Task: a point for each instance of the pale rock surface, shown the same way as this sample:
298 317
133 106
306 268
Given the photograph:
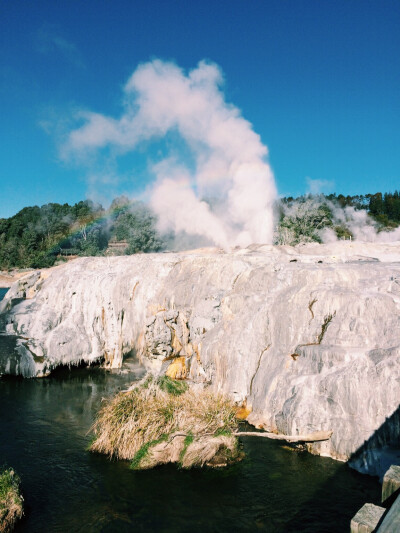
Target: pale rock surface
308 337
367 519
391 482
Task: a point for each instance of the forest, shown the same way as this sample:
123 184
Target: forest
38 237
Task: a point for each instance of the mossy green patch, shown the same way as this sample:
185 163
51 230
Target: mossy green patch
172 386
223 432
143 452
186 443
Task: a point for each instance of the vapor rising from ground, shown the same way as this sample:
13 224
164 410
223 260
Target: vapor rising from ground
318 218
361 225
228 158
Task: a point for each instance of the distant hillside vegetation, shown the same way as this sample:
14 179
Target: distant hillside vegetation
37 237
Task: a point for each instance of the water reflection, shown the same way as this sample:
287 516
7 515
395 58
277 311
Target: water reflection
44 424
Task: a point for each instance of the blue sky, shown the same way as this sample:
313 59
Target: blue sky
318 80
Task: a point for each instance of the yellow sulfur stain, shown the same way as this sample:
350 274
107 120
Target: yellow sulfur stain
243 412
177 369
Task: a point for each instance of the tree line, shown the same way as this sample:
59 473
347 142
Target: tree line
382 207
37 237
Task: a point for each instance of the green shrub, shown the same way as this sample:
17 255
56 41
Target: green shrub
11 501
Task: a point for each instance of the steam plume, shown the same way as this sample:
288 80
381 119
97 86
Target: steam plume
229 157
362 226
317 218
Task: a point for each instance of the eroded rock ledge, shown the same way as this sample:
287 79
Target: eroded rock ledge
305 339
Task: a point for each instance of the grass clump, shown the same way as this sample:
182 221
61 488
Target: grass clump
161 421
172 386
11 501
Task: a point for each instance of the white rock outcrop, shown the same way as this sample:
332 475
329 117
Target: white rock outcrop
305 338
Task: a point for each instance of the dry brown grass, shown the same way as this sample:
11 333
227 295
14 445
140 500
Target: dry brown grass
132 423
11 502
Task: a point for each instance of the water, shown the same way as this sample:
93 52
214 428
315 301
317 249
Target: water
43 435
2 292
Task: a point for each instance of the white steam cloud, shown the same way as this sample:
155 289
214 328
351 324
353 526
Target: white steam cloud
229 157
362 226
311 218
319 186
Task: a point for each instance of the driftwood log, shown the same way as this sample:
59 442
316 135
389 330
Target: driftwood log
317 436
311 437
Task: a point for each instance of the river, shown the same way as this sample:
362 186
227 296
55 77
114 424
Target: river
44 426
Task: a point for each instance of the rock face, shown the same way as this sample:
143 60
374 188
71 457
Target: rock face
306 338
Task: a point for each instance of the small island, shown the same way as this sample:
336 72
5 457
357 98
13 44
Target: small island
163 421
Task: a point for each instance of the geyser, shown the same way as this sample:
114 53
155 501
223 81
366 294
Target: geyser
228 159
